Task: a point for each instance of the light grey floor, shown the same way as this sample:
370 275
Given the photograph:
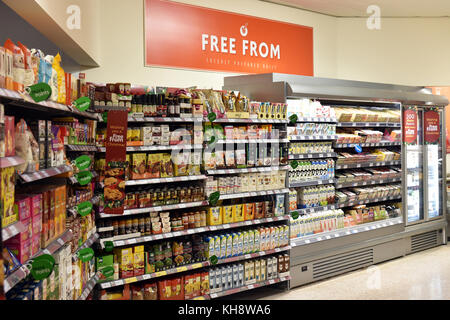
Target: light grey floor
423 275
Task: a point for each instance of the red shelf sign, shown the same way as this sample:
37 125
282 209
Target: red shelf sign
410 126
186 36
431 126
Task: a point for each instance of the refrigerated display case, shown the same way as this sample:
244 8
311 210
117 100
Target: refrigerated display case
425 163
420 224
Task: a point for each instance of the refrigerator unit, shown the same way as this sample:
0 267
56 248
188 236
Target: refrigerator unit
424 160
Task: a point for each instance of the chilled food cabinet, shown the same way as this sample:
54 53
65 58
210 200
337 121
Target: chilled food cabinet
424 163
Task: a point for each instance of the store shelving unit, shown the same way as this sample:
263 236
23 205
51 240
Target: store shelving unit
368 164
312 155
45 173
12 230
322 259
246 170
311 183
253 255
164 180
22 272
89 286
367 183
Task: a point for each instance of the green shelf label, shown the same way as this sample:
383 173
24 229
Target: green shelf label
293 118
295 215
109 246
83 162
213 260
214 198
86 254
84 177
39 92
212 116
84 208
294 164
105 116
42 266
107 272
82 104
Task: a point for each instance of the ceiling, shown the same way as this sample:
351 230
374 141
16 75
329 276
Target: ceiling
358 8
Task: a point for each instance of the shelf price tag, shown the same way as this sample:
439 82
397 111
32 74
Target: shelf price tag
42 266
39 92
84 208
86 254
82 104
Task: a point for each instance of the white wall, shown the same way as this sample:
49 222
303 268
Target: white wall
409 51
122 42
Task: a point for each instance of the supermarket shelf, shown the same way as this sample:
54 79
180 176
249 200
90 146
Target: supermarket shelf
45 173
89 286
87 244
23 100
316 119
250 287
6 162
252 194
345 231
157 209
311 183
252 141
373 144
107 108
314 209
121 243
355 203
164 119
315 137
73 180
87 148
253 255
368 164
121 282
12 230
163 180
23 271
367 183
312 155
229 120
369 124
158 148
245 170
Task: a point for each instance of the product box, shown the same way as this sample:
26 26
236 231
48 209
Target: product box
20 248
22 207
10 146
126 262
238 212
139 260
2 67
9 70
7 195
227 213
103 262
249 211
214 217
35 244
263 273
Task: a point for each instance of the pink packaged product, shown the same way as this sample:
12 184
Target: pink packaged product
35 205
21 249
36 222
28 232
35 244
22 205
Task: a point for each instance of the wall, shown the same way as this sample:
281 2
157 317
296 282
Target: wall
409 51
122 42
89 33
29 36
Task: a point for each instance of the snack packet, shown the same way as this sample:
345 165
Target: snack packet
29 72
18 67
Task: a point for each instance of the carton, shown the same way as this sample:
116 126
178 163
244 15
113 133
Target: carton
229 250
251 241
217 246
263 274
20 248
22 207
212 280
139 260
228 214
214 216
256 244
238 213
249 211
103 262
9 69
2 67
235 276
10 146
7 188
223 247
257 271
245 248
240 243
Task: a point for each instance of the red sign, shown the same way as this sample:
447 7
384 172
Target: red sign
431 126
185 36
410 126
116 152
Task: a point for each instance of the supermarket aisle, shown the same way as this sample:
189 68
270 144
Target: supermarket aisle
424 275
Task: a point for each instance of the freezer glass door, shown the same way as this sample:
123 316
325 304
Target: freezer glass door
433 158
413 143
